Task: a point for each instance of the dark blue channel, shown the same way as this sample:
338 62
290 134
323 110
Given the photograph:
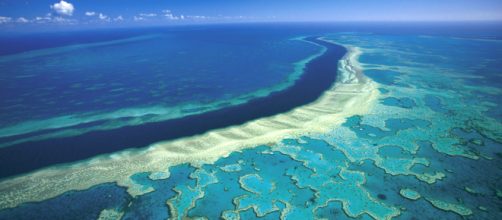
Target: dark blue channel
319 76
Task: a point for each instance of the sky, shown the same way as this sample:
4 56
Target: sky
29 14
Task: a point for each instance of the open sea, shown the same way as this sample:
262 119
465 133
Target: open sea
253 121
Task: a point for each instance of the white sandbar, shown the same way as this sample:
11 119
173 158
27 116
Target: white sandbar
352 94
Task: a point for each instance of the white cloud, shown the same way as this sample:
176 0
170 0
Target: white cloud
63 8
50 19
119 18
148 15
103 17
5 19
169 15
197 17
22 20
44 19
144 16
61 20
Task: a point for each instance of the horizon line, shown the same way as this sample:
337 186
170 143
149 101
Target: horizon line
48 28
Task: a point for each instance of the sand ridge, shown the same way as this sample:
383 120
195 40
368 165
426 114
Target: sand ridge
352 94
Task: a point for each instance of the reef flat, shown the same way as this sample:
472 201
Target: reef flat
346 97
320 73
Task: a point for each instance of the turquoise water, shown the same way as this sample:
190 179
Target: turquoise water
430 148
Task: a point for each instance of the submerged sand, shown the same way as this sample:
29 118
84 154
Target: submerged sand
352 94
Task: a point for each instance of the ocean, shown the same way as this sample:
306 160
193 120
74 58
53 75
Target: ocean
255 121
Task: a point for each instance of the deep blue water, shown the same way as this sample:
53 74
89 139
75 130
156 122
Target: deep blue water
319 75
161 70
